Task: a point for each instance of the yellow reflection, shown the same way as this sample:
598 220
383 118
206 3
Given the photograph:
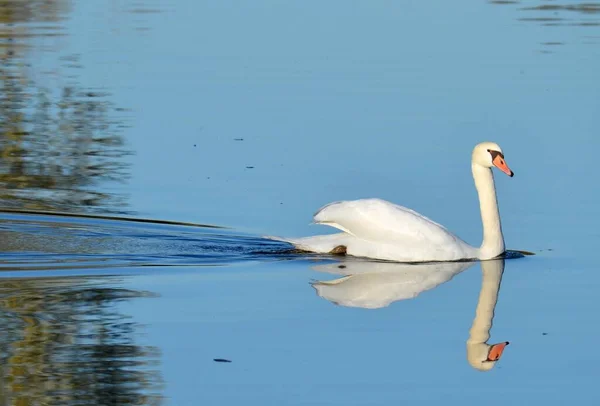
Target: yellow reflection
58 144
65 342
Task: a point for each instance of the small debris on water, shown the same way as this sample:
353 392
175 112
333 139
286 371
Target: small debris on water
544 334
249 167
221 360
238 139
194 145
342 266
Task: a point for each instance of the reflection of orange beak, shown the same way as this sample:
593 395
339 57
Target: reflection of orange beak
499 163
496 351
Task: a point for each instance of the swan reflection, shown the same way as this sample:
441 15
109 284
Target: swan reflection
373 285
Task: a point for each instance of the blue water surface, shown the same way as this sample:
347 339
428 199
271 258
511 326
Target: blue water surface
234 120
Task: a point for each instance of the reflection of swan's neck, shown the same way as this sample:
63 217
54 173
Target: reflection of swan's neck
480 331
477 347
493 241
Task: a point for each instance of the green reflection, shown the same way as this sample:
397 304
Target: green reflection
65 342
58 145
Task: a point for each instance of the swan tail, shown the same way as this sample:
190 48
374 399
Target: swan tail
322 244
298 243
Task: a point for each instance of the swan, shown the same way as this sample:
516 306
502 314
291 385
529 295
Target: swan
374 285
375 228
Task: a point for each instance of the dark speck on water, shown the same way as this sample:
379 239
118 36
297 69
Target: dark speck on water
221 360
249 167
238 139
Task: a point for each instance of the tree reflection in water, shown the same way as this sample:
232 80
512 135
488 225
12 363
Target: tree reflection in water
58 144
65 342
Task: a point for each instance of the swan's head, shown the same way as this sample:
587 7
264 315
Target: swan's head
488 154
483 356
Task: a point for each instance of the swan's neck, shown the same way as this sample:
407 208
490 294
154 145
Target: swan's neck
493 241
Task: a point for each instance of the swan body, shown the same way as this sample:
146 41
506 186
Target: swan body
375 228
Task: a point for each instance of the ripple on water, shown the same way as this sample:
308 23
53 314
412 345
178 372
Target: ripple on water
40 242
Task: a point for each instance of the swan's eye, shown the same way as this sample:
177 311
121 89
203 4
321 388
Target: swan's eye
494 154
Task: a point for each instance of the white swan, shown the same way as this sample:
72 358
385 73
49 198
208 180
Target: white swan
373 285
375 228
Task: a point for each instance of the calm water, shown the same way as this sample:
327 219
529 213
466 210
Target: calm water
229 121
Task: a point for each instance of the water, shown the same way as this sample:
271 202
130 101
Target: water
231 121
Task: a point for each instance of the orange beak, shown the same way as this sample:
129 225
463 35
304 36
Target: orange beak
499 163
496 351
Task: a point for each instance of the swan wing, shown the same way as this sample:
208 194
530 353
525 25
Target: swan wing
379 220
